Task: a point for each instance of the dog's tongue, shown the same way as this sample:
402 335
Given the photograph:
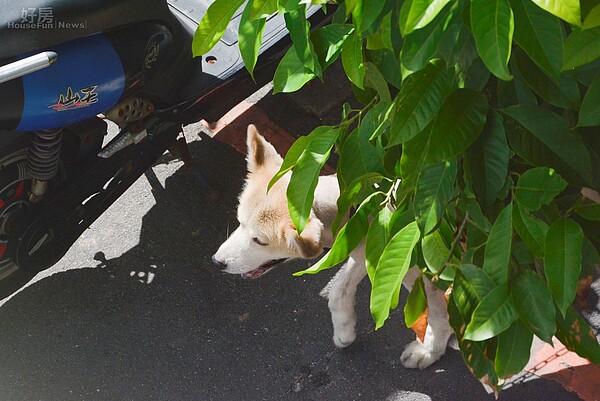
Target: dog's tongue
262 269
256 273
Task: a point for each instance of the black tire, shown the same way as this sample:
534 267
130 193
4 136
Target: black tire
13 178
14 192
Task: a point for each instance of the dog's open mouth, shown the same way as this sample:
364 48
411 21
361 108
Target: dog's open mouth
262 269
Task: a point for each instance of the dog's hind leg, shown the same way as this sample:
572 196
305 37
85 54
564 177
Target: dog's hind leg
422 354
342 292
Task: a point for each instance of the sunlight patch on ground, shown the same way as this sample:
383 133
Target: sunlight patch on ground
402 395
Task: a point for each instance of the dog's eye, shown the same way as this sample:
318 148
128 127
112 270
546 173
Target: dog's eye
259 242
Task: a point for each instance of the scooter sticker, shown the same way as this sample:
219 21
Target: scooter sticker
87 79
75 100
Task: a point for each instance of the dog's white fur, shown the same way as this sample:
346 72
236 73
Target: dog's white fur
264 219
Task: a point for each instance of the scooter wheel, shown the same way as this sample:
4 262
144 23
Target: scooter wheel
15 184
14 189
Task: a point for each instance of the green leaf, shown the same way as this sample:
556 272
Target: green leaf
435 188
250 38
514 347
374 79
392 266
353 61
586 73
476 239
416 303
551 143
589 211
494 314
382 121
581 47
498 247
291 74
590 258
377 238
562 261
476 216
522 91
533 302
488 161
589 115
381 39
567 10
296 150
477 76
413 160
492 23
421 45
366 15
348 196
283 6
262 9
416 14
419 100
328 42
396 36
348 238
592 20
299 28
531 229
387 63
350 6
471 285
400 219
540 35
575 334
358 156
457 45
538 186
562 93
301 189
213 25
436 249
521 255
457 125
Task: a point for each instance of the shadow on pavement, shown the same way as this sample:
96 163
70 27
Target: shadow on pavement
160 323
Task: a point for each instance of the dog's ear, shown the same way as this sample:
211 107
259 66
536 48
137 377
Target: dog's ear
308 244
260 152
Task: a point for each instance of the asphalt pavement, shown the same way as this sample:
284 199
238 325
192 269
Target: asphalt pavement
136 311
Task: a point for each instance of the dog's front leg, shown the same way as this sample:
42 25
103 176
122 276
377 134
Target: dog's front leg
342 294
422 354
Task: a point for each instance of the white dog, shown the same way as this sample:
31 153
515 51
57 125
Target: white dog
267 236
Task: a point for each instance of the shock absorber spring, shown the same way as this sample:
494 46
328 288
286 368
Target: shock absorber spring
44 154
43 159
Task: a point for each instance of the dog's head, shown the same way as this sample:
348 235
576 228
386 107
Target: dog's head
266 234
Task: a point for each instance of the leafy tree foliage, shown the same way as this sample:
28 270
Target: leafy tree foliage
481 126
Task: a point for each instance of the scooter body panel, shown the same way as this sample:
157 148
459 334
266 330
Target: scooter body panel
91 75
87 79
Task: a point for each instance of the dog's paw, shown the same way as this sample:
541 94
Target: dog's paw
416 355
344 337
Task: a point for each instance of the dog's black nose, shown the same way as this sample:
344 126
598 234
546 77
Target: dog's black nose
218 263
